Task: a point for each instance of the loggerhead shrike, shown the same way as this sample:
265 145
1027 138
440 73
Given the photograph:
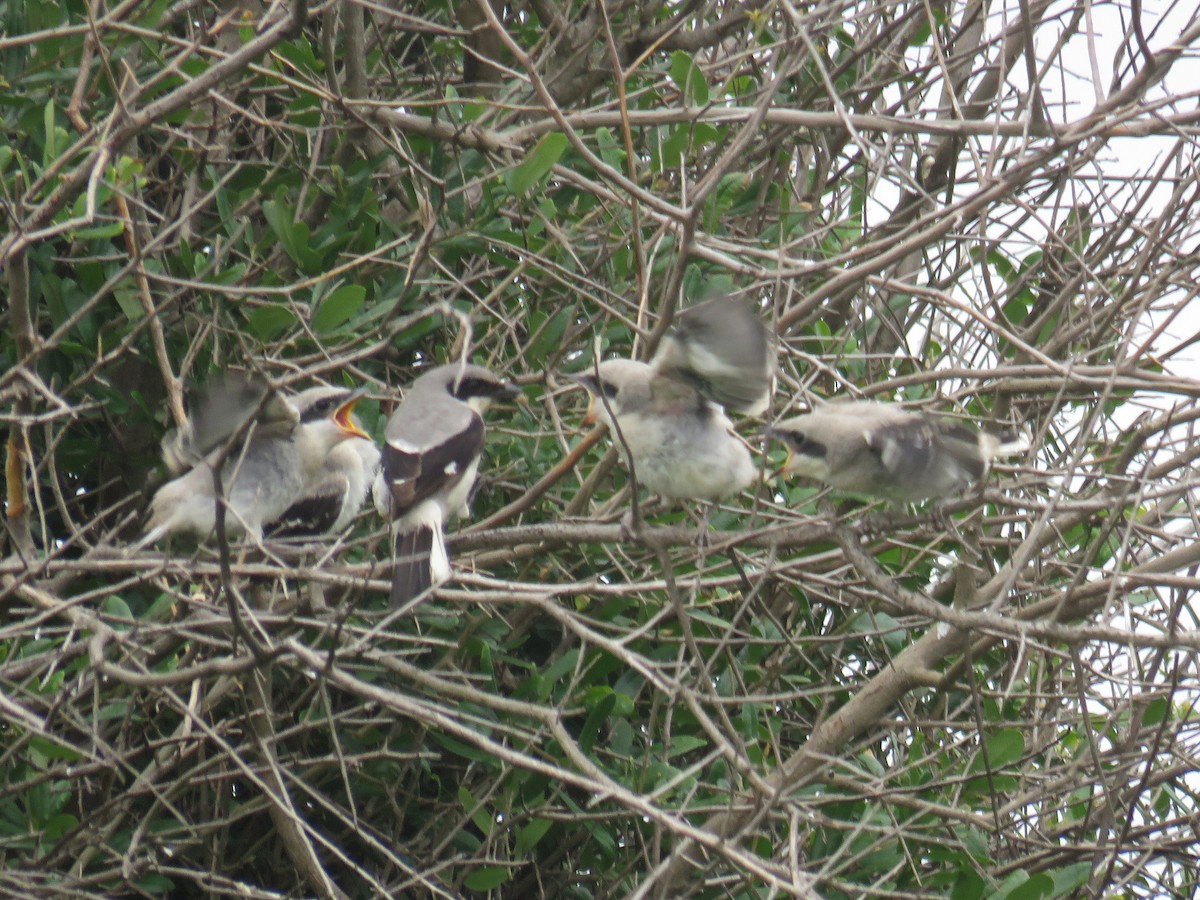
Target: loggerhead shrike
432 447
682 445
264 474
887 451
331 499
666 417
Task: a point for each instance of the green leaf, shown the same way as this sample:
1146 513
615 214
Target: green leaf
561 666
337 309
974 841
620 740
118 709
591 727
719 623
882 625
54 750
1004 747
549 339
685 743
1033 887
1069 879
486 878
1156 711
981 785
127 170
537 164
267 322
672 149
294 236
609 149
51 134
280 220
689 79
528 837
478 812
462 748
129 299
105 232
117 607
154 883
968 886
56 826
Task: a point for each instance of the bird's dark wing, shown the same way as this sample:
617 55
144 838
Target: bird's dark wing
315 512
961 443
414 474
723 350
920 447
905 447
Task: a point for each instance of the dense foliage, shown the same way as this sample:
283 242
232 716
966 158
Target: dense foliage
983 208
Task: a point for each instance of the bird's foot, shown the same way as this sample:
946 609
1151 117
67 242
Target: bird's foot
704 520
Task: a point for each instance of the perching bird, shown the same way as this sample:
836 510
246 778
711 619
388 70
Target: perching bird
263 475
668 414
682 445
887 451
432 447
331 499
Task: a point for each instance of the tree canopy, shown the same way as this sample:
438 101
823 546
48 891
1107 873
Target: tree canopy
989 210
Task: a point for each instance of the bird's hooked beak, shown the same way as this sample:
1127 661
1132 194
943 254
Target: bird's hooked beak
589 418
513 393
343 416
782 436
587 381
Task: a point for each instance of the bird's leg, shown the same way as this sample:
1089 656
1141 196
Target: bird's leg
708 510
634 519
867 525
940 517
631 525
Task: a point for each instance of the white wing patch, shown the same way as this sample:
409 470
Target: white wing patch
451 469
403 446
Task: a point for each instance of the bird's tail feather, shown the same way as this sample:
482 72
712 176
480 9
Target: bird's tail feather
411 576
421 557
154 533
1012 443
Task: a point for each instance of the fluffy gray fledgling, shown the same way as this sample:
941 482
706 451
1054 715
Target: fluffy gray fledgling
887 451
263 476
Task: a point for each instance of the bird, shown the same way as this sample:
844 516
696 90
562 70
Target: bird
432 447
331 499
886 451
263 474
667 417
682 446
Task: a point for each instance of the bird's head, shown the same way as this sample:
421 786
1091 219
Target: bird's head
805 455
329 412
614 387
476 386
